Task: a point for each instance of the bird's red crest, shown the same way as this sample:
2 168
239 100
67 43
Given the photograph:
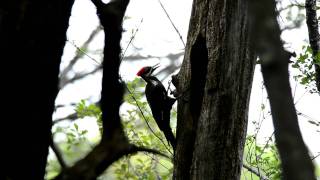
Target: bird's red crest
141 71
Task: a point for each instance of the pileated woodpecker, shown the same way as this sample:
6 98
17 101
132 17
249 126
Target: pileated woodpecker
159 102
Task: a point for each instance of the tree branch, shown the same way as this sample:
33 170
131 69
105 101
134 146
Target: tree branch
256 172
74 60
78 76
71 117
56 150
101 157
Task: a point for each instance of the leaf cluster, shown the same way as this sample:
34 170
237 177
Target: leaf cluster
264 158
304 63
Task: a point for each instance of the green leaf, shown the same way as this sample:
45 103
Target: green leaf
295 65
309 50
76 126
84 132
302 58
304 80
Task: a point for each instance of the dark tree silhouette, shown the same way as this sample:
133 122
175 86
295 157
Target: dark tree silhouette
32 38
295 161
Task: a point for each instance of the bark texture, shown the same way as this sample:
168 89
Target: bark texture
32 38
214 85
295 161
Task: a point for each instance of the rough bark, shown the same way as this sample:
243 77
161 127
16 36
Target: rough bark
314 36
295 161
32 38
214 85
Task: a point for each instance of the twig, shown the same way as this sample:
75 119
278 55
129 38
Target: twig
267 143
79 55
254 171
78 76
82 51
316 156
72 116
148 154
60 159
131 39
136 101
175 28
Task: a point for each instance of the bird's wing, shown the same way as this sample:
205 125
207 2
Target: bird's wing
156 96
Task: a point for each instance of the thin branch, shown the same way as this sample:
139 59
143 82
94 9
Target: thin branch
256 172
148 150
63 105
83 52
71 117
175 28
299 5
78 77
310 119
75 59
148 154
316 156
145 119
79 55
139 57
131 39
58 154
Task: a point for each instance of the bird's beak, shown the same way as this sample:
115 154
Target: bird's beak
155 67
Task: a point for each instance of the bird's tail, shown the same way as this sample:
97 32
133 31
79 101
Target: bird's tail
170 137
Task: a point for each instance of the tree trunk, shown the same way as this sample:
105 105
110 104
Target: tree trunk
295 161
214 84
32 38
314 36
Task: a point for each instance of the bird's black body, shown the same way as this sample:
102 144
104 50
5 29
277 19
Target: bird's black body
160 104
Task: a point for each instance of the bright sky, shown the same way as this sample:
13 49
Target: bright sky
157 37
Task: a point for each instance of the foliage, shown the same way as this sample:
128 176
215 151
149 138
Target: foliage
137 121
304 63
90 110
53 168
134 113
264 158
